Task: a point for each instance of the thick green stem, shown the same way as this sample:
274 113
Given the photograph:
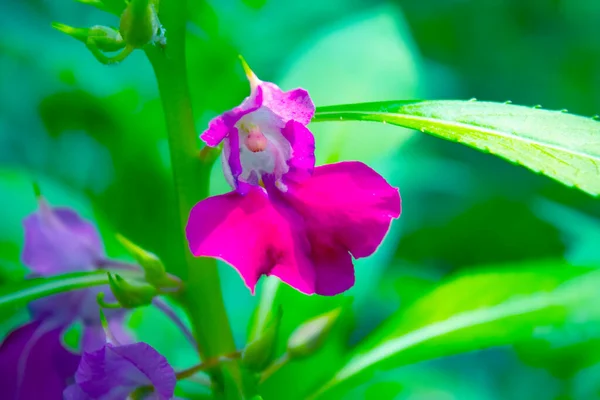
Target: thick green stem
202 297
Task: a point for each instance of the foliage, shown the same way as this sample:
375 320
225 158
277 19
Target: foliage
478 290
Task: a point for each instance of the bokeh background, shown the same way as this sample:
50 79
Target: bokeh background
93 137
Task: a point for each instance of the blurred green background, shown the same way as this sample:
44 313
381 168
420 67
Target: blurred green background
94 138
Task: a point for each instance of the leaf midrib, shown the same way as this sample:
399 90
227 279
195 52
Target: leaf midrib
458 125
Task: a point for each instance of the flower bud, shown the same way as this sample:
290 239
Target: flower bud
258 354
131 295
140 25
311 335
103 37
155 272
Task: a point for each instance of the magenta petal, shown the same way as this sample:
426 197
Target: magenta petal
293 105
219 127
232 164
347 204
250 234
216 132
57 240
115 371
335 271
302 141
34 364
233 156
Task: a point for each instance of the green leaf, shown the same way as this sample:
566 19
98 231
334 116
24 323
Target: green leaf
562 146
475 311
18 294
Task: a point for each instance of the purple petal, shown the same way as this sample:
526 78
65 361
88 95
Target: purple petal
302 162
60 309
65 308
233 156
232 164
253 236
57 241
293 105
116 371
34 364
74 392
220 126
94 336
93 333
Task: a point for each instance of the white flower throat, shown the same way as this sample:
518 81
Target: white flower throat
263 148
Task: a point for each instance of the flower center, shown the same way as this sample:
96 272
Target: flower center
255 141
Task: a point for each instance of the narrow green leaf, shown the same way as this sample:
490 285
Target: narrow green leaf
18 294
473 312
562 146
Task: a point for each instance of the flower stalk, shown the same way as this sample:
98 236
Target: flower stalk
202 296
169 313
208 365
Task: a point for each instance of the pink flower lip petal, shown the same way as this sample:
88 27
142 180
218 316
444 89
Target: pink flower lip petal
305 236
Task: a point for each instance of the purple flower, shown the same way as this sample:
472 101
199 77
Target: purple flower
266 134
57 241
113 372
305 225
35 365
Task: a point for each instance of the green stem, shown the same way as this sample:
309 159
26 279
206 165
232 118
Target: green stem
139 6
276 366
202 296
208 364
104 59
19 294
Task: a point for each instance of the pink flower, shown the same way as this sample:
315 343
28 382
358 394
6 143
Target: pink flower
304 224
266 134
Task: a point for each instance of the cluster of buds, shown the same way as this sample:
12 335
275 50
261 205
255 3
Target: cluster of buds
139 26
306 339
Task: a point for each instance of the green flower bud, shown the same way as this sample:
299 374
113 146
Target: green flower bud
259 353
131 295
155 272
311 335
140 25
102 37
